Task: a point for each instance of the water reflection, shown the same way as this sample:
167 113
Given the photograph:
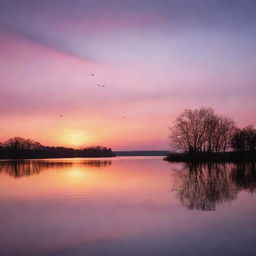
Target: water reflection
244 176
21 168
204 186
125 209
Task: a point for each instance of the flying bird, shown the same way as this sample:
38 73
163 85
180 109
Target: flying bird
61 115
103 85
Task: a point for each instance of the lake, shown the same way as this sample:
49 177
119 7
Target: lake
126 206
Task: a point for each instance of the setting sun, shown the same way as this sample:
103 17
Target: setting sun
75 138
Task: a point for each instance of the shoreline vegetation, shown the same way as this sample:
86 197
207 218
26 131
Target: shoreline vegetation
220 157
201 135
20 148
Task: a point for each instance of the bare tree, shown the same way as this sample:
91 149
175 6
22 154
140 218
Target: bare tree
18 143
201 130
250 137
224 132
244 139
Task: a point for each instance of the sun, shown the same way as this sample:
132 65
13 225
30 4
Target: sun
75 138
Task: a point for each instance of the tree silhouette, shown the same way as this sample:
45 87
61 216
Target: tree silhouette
18 147
201 130
244 139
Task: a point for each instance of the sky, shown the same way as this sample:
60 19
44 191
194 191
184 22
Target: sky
154 58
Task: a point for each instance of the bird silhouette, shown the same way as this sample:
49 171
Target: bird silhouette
61 115
101 85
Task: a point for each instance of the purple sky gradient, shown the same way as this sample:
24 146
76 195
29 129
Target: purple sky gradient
155 58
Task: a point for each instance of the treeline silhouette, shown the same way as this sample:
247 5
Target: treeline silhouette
20 148
203 186
22 168
201 134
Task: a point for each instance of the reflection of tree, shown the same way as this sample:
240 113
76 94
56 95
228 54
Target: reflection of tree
23 168
203 186
244 176
19 169
97 163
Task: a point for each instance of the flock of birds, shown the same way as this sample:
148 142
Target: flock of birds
99 85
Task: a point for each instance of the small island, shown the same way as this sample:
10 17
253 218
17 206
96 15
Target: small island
20 148
201 135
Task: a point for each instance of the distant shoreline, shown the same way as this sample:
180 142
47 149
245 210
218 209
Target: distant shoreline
20 148
50 157
233 156
58 152
142 153
78 154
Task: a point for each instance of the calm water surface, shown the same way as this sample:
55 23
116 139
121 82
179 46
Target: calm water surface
126 206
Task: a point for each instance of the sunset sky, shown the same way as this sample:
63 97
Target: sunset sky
155 58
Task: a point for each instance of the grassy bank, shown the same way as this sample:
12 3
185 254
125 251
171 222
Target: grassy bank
233 156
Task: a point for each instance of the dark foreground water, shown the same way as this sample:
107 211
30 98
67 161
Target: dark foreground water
126 206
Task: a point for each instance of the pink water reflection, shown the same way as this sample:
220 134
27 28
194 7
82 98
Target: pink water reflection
126 206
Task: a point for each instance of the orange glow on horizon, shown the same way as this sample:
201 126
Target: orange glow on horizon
75 138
